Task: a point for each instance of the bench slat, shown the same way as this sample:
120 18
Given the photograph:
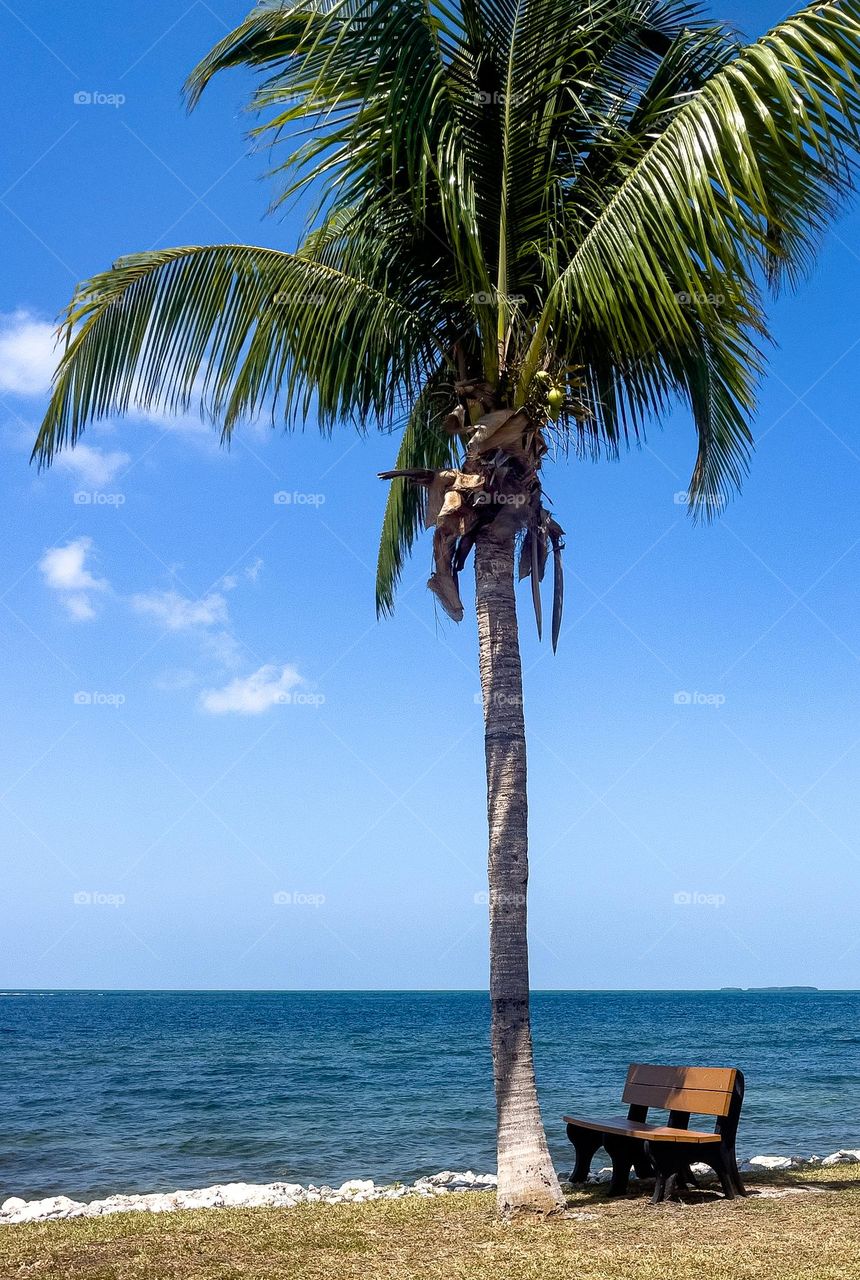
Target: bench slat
699 1101
703 1090
721 1079
634 1129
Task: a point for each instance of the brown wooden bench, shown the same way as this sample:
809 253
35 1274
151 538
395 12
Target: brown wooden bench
665 1151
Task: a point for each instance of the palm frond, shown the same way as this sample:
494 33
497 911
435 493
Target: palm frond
237 329
739 183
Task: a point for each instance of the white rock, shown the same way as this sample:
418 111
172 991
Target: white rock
842 1157
201 1198
769 1162
53 1207
700 1170
289 1189
12 1205
356 1186
245 1195
156 1203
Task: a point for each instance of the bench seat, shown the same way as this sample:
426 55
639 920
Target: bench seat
639 1129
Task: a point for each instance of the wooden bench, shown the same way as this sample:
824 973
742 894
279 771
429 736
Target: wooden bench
665 1151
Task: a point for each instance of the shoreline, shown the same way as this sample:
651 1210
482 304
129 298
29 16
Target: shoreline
288 1195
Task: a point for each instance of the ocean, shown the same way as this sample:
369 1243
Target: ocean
112 1091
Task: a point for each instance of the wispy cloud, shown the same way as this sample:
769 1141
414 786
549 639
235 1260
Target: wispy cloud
64 570
252 695
206 619
27 354
176 612
92 465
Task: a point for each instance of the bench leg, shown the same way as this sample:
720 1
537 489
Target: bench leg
720 1161
734 1172
670 1161
665 1188
585 1144
622 1152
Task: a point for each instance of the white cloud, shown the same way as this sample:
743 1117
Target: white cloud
254 694
224 648
27 354
252 571
64 570
91 464
176 612
80 607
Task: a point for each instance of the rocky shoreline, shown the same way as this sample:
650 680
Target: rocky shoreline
286 1195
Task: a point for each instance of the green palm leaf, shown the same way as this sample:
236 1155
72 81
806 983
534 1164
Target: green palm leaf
503 186
239 329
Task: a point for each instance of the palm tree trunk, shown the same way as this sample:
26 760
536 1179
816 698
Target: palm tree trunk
527 1179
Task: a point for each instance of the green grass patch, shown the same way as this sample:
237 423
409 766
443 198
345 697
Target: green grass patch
813 1235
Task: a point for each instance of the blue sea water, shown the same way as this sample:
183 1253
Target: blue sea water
147 1091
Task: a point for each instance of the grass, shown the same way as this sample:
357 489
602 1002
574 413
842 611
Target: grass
815 1236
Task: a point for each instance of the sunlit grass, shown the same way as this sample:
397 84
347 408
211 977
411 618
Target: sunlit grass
814 1235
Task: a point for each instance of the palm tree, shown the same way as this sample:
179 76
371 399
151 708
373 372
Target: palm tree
535 226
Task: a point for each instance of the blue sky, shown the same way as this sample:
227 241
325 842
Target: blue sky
218 770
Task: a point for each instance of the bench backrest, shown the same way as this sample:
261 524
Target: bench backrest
706 1091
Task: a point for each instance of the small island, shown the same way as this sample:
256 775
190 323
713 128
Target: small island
748 990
